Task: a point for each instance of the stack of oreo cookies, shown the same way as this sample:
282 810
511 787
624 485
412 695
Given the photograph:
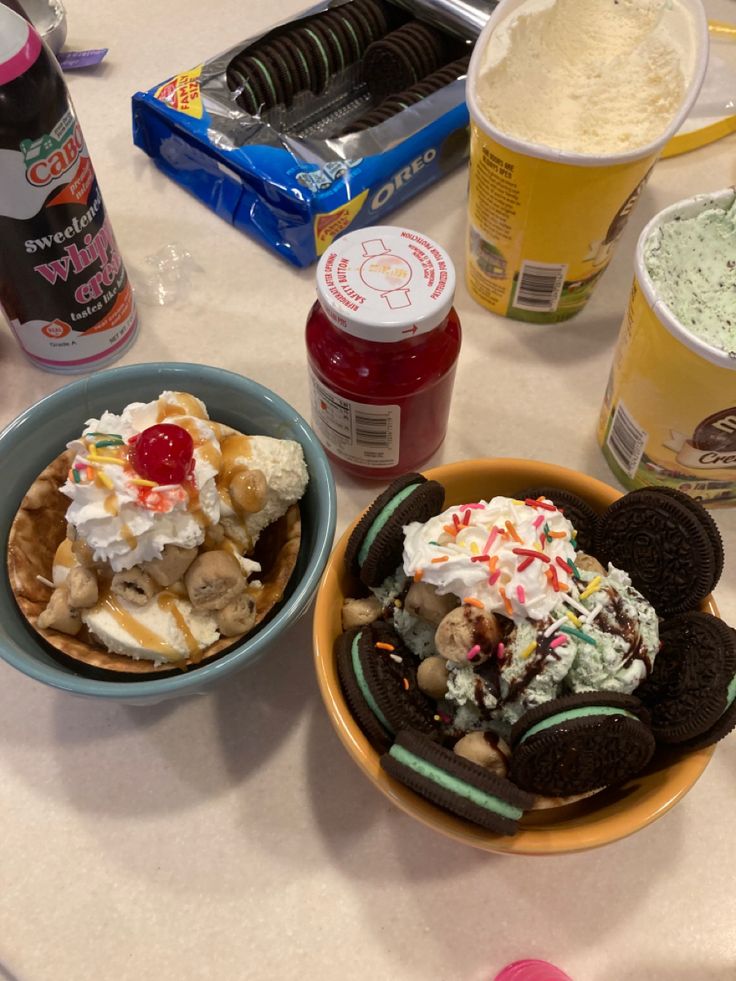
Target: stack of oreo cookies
409 97
577 743
403 58
305 56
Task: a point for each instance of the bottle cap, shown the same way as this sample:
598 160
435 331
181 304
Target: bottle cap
19 45
532 970
385 284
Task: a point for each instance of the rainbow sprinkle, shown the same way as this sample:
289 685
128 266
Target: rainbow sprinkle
473 601
591 587
579 634
473 652
384 647
558 642
520 594
528 651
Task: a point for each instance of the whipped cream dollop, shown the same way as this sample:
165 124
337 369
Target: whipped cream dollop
512 557
124 518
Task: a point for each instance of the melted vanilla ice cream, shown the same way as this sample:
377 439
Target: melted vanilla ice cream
587 76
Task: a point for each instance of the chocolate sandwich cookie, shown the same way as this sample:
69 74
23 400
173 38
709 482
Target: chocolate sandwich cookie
402 58
239 83
284 69
691 682
379 680
295 59
306 56
265 77
702 516
317 48
349 32
577 511
666 548
375 547
354 18
428 44
726 721
455 783
375 15
343 52
456 146
580 743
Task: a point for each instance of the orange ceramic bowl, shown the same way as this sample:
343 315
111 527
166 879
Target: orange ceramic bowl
598 820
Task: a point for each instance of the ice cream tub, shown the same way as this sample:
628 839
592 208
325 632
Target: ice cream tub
547 208
669 413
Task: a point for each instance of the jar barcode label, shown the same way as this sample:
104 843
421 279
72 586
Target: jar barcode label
626 440
355 431
539 286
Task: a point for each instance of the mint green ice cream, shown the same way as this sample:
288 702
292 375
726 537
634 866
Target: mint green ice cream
692 265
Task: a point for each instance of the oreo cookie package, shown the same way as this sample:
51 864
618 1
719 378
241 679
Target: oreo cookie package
325 122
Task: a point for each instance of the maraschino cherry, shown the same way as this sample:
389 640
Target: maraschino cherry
164 453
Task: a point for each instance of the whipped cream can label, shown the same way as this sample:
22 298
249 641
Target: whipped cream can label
63 285
669 415
357 432
541 232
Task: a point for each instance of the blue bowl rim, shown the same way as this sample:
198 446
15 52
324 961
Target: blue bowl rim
193 682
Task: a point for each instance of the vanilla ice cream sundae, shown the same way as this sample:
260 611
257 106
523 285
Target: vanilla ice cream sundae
159 560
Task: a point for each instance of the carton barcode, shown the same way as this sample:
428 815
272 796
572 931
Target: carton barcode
626 440
539 287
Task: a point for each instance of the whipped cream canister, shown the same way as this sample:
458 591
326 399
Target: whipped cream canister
63 285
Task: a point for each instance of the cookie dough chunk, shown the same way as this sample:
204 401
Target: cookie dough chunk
133 585
424 601
59 615
213 580
83 589
468 635
172 564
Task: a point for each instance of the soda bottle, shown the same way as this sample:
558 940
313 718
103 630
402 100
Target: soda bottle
63 285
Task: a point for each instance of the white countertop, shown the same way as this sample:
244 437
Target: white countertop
230 836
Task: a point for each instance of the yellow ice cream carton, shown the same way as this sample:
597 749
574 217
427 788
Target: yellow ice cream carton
669 412
543 223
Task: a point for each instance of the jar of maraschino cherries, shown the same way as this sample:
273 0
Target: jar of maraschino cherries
383 340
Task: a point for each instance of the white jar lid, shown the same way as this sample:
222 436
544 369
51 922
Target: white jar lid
385 284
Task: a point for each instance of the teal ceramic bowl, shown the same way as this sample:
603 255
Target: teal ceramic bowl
40 433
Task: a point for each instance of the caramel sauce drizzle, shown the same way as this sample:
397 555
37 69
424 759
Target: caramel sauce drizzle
64 555
168 603
187 405
147 638
111 503
128 537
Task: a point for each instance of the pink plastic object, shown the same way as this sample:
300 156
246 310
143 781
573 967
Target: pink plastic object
532 970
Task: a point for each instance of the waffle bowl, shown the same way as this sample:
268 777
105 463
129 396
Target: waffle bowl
39 527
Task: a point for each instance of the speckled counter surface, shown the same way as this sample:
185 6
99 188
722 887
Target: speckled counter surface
230 836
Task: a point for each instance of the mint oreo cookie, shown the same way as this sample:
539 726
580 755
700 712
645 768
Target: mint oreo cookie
726 721
456 784
665 546
379 680
691 686
579 743
375 548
